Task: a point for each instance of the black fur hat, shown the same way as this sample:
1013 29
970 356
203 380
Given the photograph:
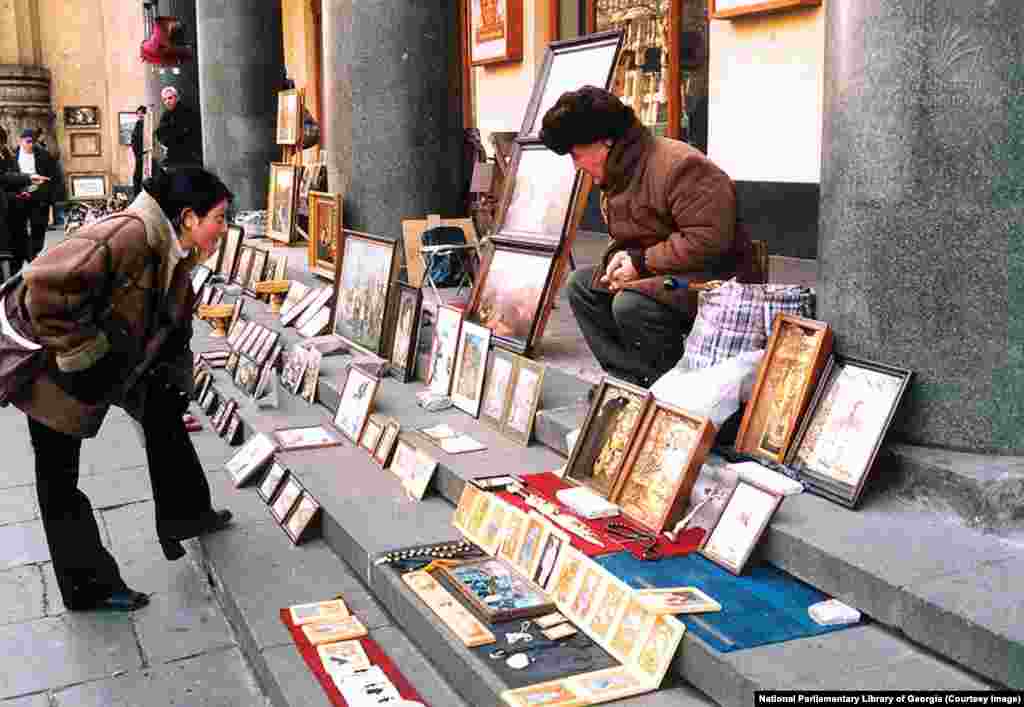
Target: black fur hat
587 115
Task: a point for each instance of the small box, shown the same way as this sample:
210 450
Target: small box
587 504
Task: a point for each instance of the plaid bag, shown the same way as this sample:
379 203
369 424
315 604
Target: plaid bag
737 317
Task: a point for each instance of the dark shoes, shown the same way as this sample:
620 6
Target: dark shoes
122 600
210 522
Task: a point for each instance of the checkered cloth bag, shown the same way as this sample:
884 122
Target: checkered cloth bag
736 317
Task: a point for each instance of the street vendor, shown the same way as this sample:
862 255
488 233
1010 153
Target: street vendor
671 216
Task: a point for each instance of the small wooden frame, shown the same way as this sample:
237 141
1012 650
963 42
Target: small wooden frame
459 620
405 340
356 402
746 515
248 460
229 259
413 467
330 632
259 262
301 522
728 9
244 267
447 324
524 398
497 388
479 581
493 37
386 445
324 233
85 144
290 439
88 185
286 497
470 367
271 482
282 198
289 117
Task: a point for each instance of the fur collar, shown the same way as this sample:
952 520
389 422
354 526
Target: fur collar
160 236
627 158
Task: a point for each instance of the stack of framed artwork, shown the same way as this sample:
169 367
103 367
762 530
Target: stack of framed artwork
541 206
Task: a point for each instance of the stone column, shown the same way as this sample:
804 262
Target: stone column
241 68
185 77
921 250
393 127
25 101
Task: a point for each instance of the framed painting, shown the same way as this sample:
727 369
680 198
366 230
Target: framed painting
662 466
538 203
81 116
241 274
316 325
299 308
498 590
797 352
248 460
529 548
126 126
247 375
294 368
290 491
512 528
282 195
842 432
600 686
386 445
290 439
405 341
746 515
727 9
567 574
497 388
413 467
289 117
371 433
447 324
314 359
85 144
657 650
524 399
592 577
87 185
313 177
296 292
510 294
494 31
323 296
356 400
271 482
367 266
551 549
610 601
229 258
677 600
491 534
710 493
470 366
302 520
555 693
324 232
258 265
633 626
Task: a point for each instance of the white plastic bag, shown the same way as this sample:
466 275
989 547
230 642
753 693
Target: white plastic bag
714 392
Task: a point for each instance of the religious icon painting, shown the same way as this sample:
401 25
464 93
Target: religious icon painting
470 366
366 268
567 573
659 648
515 520
524 399
744 520
447 325
356 402
405 342
606 609
633 627
324 232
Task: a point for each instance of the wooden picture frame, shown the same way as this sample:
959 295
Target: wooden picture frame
259 263
229 258
835 449
323 296
296 292
610 601
287 495
312 181
444 348
470 367
289 117
324 233
294 368
299 308
728 9
493 38
247 375
554 543
525 394
404 349
386 445
366 271
356 402
795 357
272 480
88 185
291 439
316 324
413 467
667 453
126 121
282 198
497 388
85 144
244 267
479 579
314 360
302 520
746 516
81 116
372 431
248 460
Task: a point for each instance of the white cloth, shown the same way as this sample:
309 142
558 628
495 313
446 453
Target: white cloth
27 162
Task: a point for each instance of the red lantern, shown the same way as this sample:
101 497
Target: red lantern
162 48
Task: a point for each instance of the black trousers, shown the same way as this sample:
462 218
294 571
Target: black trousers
633 337
27 221
85 570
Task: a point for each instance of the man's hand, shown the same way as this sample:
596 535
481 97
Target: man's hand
39 179
620 271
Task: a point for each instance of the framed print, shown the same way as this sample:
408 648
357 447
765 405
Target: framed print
286 498
248 460
529 548
281 199
126 126
497 590
677 600
404 343
583 602
470 366
711 491
447 324
524 399
386 445
727 9
247 375
229 258
322 297
313 177
371 434
510 292
208 402
538 203
746 515
554 542
81 117
316 324
272 481
324 231
356 400
477 515
315 612
367 265
200 275
567 576
853 406
289 117
497 388
301 520
797 352
659 648
464 508
85 144
290 439
259 262
295 294
512 529
413 467
312 377
300 307
277 267
555 693
600 686
662 466
241 276
491 533
610 601
87 185
495 31
295 368
231 367
633 626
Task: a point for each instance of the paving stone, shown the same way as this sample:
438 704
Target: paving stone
64 650
22 544
116 448
246 506
41 699
678 696
19 458
18 504
51 592
116 488
21 594
289 681
212 680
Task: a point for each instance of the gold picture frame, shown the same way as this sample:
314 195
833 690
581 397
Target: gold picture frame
282 199
324 233
289 117
85 144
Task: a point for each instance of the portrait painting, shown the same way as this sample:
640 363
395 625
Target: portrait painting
447 324
631 629
282 195
494 31
524 400
497 386
367 267
540 203
324 232
746 515
510 292
404 344
584 599
470 366
272 481
498 590
289 117
300 520
286 498
356 400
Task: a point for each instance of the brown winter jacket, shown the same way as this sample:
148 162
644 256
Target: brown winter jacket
675 212
106 317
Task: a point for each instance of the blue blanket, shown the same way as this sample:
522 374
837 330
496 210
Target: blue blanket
764 605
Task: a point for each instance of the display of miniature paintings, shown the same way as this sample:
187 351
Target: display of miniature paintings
300 523
81 116
413 467
746 515
296 291
248 460
241 276
404 343
290 439
388 439
294 368
272 481
498 591
447 324
470 366
312 376
290 491
677 600
367 265
797 352
538 203
662 466
324 232
510 293
259 262
289 117
497 386
524 399
356 401
494 31
844 427
281 199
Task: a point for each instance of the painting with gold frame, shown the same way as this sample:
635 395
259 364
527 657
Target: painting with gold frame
282 197
662 465
324 232
797 352
746 516
356 401
366 270
289 117
494 31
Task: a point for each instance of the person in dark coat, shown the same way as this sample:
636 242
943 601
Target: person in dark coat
180 131
138 149
11 182
671 216
30 208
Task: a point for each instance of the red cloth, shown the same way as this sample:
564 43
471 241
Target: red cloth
377 657
546 485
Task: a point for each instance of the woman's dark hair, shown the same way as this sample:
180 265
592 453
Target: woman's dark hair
183 188
581 117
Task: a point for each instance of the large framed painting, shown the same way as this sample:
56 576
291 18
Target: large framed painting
494 32
796 355
470 366
324 232
607 433
282 193
510 294
289 117
726 9
367 266
405 341
538 201
232 245
662 466
569 65
838 442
